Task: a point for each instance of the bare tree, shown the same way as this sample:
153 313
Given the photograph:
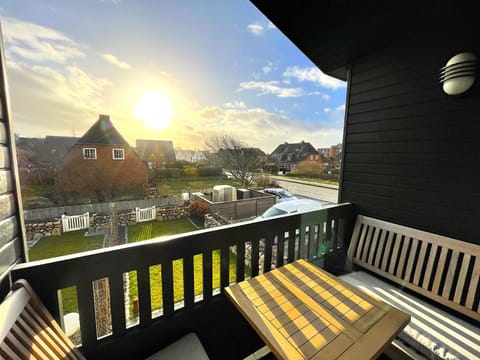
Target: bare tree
235 157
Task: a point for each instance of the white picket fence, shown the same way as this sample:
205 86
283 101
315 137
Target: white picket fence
146 214
75 222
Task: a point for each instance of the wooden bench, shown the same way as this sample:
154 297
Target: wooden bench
435 267
28 331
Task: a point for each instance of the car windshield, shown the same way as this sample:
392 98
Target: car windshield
284 194
273 211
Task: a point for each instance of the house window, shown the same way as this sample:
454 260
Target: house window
118 154
89 153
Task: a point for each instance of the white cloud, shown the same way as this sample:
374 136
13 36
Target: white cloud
271 25
28 41
271 87
258 127
315 75
42 96
267 68
256 29
327 110
235 105
112 59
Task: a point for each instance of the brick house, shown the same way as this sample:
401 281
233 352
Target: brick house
155 153
289 156
101 164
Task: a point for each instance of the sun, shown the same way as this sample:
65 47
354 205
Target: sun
155 110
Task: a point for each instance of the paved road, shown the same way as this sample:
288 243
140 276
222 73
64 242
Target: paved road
309 189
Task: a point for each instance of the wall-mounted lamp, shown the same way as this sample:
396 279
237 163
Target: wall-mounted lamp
459 74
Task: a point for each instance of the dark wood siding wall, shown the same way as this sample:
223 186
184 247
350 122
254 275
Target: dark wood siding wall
11 239
412 153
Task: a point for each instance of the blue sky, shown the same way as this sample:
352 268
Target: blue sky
221 64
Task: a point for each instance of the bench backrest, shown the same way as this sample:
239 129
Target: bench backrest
443 269
28 330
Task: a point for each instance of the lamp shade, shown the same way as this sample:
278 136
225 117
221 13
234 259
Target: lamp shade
459 74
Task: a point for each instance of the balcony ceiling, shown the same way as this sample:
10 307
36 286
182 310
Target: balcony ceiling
332 33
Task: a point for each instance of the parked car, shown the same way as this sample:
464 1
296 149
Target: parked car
281 194
290 207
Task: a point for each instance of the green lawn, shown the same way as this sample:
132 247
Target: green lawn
177 186
75 241
146 231
312 179
68 243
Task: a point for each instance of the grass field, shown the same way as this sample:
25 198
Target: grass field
146 231
68 243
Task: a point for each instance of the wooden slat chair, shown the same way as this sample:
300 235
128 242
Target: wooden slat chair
28 330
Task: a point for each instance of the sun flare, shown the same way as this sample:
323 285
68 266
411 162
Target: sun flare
155 110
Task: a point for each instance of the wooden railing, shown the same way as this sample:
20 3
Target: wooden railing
310 236
75 222
146 214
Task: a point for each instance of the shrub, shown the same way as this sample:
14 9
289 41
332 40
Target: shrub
198 209
190 171
263 181
209 171
169 173
178 164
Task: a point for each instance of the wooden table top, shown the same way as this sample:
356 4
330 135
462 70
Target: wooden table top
303 312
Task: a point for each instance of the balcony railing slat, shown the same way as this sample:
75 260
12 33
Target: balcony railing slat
224 267
240 264
267 255
254 257
335 233
303 242
291 246
144 298
188 282
321 238
280 248
86 307
313 242
207 276
117 302
167 288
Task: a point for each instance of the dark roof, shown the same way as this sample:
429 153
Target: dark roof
148 148
51 149
102 132
333 33
292 152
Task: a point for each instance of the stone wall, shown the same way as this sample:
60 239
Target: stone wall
53 227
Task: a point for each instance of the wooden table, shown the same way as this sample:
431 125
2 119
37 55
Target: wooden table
303 312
